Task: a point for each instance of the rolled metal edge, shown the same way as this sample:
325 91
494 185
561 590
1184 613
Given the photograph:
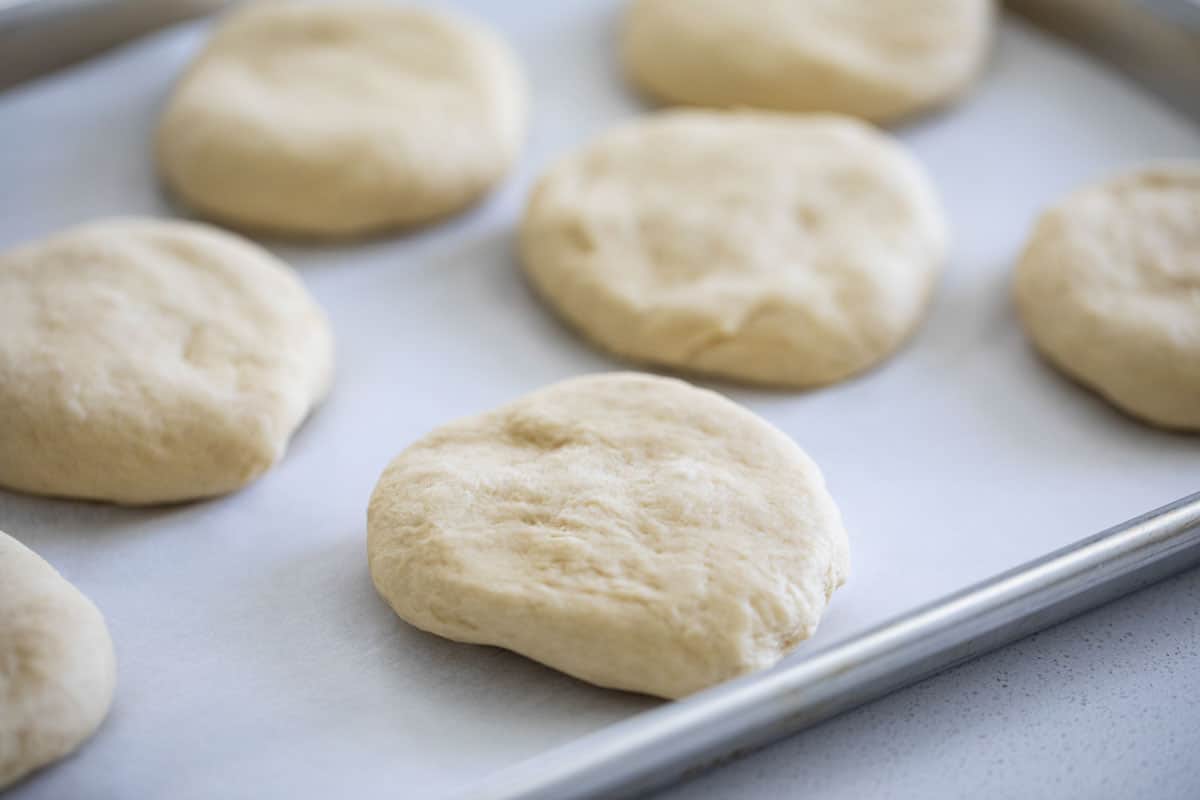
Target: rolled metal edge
37 36
1156 42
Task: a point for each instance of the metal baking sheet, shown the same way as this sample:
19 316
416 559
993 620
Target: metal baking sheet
255 658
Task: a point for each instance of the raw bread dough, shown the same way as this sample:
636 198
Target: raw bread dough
342 119
630 530
876 59
783 249
1109 290
57 668
146 361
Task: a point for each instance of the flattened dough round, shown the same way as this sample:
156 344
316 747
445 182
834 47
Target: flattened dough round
336 119
630 530
57 667
145 361
875 59
782 249
1108 288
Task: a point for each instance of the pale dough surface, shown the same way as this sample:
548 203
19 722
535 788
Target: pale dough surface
630 530
876 59
148 361
337 119
794 250
1109 290
57 667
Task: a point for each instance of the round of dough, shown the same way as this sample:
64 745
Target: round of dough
630 530
1108 288
779 249
145 361
876 59
57 668
342 119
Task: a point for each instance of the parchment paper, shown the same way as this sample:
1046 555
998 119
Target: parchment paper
256 660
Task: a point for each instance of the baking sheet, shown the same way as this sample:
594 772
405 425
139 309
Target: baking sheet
255 658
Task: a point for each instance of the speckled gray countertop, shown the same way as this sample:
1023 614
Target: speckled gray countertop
1103 706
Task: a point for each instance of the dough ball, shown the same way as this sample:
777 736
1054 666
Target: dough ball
145 361
342 118
778 249
1108 288
633 531
876 59
57 668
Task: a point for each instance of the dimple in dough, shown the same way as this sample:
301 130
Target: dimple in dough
57 667
339 119
1108 288
875 59
794 250
630 530
146 361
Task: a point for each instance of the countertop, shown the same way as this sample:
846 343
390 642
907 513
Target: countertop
1103 706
